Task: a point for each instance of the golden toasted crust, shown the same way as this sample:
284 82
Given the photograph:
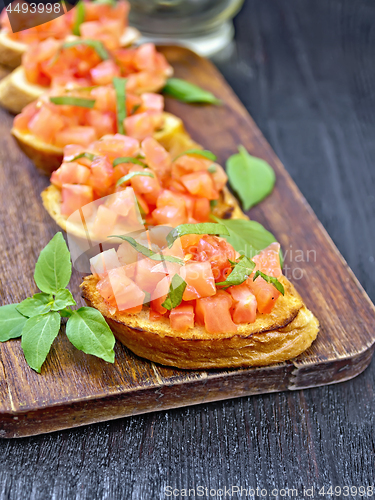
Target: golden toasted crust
16 92
272 338
11 51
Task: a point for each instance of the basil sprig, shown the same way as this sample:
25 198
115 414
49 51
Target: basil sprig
175 292
270 279
79 18
37 319
147 252
89 156
119 85
94 44
252 178
128 159
240 272
203 228
67 100
188 92
199 152
130 175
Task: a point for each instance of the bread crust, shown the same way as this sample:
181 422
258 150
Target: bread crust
16 92
281 335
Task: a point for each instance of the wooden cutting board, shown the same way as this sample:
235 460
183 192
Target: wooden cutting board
75 389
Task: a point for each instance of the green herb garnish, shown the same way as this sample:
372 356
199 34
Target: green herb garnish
240 272
37 319
147 252
67 100
252 178
200 152
128 159
79 19
119 85
203 228
270 279
94 44
175 293
129 176
89 156
188 92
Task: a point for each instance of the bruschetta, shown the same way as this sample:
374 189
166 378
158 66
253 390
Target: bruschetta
207 319
106 22
79 62
66 117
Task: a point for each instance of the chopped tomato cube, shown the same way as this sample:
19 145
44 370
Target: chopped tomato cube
116 146
46 125
200 280
120 291
159 295
216 251
104 72
156 156
214 313
182 317
101 177
75 135
145 278
104 261
148 187
265 293
202 209
105 221
70 173
200 184
103 122
244 309
75 197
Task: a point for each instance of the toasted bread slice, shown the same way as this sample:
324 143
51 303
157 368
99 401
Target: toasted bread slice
47 157
16 91
281 335
11 51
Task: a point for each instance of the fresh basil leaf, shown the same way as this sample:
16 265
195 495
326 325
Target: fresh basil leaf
88 331
188 92
119 85
213 203
79 18
199 152
252 178
175 293
112 3
202 228
270 279
89 156
240 272
212 169
147 252
11 322
43 297
97 45
246 236
131 175
53 268
128 159
33 307
37 336
63 298
67 100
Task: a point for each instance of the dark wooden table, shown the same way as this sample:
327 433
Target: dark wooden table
305 69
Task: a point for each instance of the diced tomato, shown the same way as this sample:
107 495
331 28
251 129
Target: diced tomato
170 209
104 261
189 242
200 280
268 260
216 251
143 125
116 146
104 223
73 150
148 187
187 164
122 202
101 176
104 72
75 135
182 317
214 313
200 184
156 157
70 173
105 99
103 122
244 309
144 278
74 197
202 209
152 101
120 291
154 316
21 121
159 295
127 254
145 81
219 177
46 124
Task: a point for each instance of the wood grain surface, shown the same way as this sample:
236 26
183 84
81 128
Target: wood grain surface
75 389
305 71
